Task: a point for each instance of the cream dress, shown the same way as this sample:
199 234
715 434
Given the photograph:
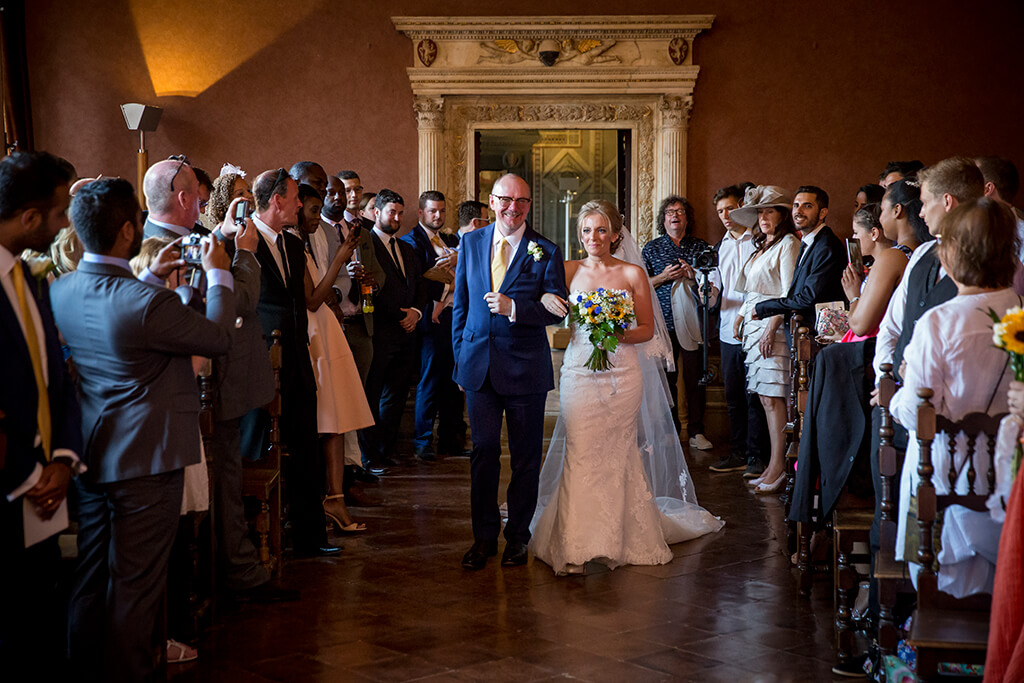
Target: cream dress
767 275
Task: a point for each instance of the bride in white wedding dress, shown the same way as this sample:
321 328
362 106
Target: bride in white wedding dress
614 487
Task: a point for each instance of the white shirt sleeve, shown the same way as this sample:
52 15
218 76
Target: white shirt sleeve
892 322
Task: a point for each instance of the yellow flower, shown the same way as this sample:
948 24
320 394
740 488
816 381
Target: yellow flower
1013 333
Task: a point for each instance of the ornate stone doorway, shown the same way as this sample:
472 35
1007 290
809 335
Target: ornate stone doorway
632 73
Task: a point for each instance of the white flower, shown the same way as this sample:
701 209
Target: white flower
39 266
231 168
534 250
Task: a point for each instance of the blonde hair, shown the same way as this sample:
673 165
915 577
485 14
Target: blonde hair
151 246
601 207
66 250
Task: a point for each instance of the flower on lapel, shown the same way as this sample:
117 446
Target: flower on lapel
534 250
39 266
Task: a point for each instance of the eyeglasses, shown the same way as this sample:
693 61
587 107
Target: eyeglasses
277 181
182 160
675 212
521 202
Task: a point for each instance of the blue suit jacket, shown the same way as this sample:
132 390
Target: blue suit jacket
517 356
18 393
417 238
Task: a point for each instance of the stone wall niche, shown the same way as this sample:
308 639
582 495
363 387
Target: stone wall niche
624 72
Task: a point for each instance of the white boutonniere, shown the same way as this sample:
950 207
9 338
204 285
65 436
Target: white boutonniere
39 266
534 250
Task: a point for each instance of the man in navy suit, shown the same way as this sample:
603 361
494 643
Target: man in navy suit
132 342
437 395
503 362
398 306
41 416
819 270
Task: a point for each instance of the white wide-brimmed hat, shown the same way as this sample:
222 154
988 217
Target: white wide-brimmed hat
760 197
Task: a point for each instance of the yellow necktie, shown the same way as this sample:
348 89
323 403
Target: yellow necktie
436 241
498 265
43 409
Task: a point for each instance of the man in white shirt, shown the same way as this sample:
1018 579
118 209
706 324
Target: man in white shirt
747 427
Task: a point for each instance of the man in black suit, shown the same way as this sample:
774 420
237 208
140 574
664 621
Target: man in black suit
41 426
132 343
282 306
397 307
437 395
819 270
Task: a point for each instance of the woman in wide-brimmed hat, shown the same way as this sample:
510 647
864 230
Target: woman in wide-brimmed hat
768 274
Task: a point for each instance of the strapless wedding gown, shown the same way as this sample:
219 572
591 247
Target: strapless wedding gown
603 507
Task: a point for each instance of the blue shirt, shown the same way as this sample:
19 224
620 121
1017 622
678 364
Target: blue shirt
662 252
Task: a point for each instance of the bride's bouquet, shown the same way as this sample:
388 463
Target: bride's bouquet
603 313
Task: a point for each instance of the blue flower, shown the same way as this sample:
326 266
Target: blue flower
597 311
600 290
579 298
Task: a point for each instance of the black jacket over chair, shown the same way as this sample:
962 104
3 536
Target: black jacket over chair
835 443
818 279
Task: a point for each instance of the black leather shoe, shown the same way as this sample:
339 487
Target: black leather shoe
476 557
425 453
359 474
267 593
515 554
376 471
320 551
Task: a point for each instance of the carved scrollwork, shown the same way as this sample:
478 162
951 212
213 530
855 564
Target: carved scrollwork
675 111
429 111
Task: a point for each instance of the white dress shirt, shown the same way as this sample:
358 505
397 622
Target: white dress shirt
951 353
270 237
513 241
732 254
388 240
446 295
345 283
892 322
8 263
808 241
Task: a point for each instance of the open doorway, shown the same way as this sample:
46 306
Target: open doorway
565 169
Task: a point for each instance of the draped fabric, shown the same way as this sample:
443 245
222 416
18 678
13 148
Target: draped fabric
14 92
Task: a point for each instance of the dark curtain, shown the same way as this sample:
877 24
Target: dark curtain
14 94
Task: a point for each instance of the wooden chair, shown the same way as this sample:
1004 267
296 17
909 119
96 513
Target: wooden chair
262 479
801 353
891 576
957 628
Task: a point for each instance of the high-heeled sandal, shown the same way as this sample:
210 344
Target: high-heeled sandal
766 489
344 529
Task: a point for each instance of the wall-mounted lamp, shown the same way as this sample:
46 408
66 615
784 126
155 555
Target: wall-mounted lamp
143 118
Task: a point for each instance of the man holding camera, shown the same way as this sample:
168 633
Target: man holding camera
670 260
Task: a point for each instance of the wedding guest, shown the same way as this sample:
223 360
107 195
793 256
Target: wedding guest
310 173
951 350
282 306
353 197
1001 183
341 405
229 185
353 301
172 195
669 259
869 297
899 170
942 187
366 208
867 194
205 188
437 395
472 216
132 344
767 274
747 428
66 251
397 307
41 418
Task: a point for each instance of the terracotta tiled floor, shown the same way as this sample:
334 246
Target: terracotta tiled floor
397 605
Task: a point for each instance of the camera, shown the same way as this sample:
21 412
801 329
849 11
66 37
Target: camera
191 249
241 212
707 260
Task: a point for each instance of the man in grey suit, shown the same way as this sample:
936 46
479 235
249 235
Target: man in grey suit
172 195
132 342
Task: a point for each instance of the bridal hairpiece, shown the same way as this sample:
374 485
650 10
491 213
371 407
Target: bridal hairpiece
231 168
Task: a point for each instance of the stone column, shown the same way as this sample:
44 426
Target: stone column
672 129
430 120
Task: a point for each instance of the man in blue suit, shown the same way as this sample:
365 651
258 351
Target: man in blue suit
503 362
436 394
41 419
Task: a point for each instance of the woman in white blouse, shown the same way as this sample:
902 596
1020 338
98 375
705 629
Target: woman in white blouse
951 351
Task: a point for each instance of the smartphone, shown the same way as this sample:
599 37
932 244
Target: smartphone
241 212
856 259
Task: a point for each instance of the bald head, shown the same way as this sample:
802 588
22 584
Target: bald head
172 192
510 201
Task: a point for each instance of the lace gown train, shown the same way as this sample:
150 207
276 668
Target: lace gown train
603 507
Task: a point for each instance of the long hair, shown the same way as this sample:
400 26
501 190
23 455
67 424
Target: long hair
785 227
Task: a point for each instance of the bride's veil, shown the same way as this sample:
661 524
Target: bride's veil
657 436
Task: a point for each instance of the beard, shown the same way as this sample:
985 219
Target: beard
137 241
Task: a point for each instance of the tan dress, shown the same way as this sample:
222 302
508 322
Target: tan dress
767 275
341 404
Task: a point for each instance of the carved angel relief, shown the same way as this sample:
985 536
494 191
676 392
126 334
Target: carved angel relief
587 51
